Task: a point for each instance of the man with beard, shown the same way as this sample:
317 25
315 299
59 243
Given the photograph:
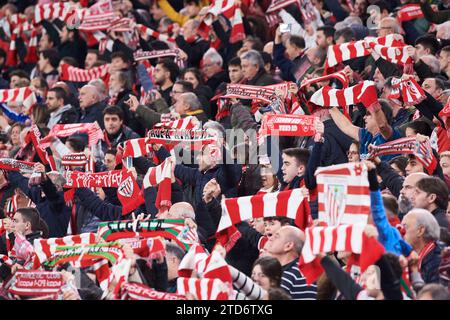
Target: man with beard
165 74
405 203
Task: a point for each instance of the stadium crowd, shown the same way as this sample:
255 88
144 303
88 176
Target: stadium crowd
232 149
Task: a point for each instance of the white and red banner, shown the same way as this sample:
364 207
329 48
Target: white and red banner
16 165
409 12
344 196
290 204
407 91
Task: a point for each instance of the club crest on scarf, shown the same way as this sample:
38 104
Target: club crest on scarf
335 202
126 188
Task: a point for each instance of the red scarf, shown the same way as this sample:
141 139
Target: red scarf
425 251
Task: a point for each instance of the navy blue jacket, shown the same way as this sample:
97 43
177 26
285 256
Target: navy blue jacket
93 113
51 205
430 266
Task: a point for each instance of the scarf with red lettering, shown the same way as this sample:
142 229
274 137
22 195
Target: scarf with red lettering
33 283
160 176
151 33
138 291
409 12
140 55
409 145
291 204
69 73
121 25
24 95
74 160
99 16
92 129
16 165
365 93
175 230
407 91
352 238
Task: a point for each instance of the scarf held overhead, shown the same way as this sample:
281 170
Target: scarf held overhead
350 238
291 204
92 129
343 194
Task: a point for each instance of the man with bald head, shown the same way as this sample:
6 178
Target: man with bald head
286 245
91 105
179 210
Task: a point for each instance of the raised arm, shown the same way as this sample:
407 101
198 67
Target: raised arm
344 124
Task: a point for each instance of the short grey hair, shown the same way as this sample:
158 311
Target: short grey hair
445 27
215 126
432 62
254 57
175 250
214 56
191 99
425 219
101 88
395 24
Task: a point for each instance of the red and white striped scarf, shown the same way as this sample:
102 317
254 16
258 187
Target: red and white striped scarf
340 75
32 54
308 11
99 16
121 25
350 238
275 6
171 137
160 176
185 123
34 137
203 289
138 291
24 95
397 55
409 12
52 11
11 56
44 248
407 91
364 92
74 160
211 266
342 52
230 10
344 196
16 165
409 145
69 73
92 129
151 33
291 204
430 246
140 55
136 148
